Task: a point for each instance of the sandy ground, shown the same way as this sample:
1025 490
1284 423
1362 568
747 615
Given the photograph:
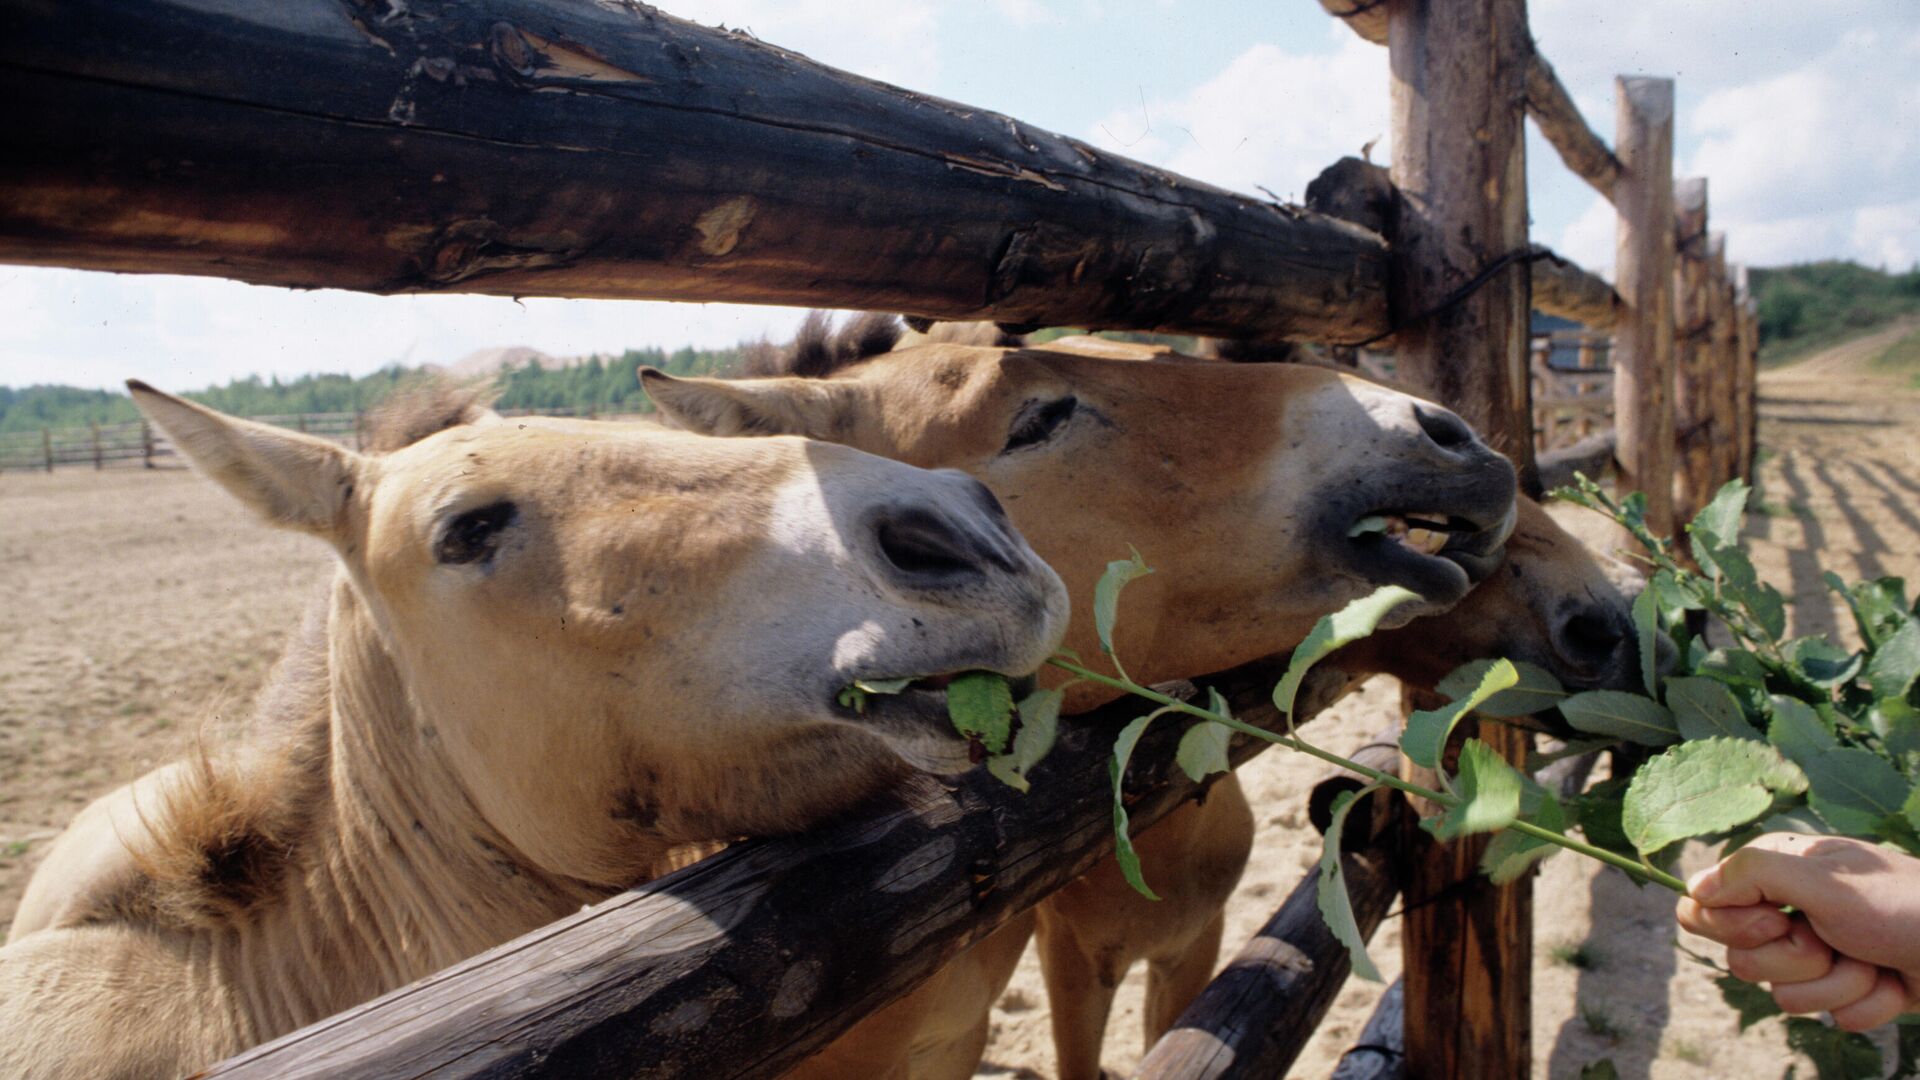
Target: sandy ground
144 607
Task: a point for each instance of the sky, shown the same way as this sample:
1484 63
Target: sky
1804 117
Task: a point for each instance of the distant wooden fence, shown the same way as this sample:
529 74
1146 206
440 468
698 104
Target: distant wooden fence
550 147
135 442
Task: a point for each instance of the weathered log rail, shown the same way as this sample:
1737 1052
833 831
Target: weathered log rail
538 147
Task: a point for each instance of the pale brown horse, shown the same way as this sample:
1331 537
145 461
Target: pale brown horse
553 653
1098 927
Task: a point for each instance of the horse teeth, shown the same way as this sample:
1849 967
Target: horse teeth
1425 541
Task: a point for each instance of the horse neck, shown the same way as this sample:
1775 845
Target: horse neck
399 875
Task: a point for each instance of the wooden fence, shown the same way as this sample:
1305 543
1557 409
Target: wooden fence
551 147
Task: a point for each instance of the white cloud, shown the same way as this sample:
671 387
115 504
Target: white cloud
895 41
1588 239
1271 118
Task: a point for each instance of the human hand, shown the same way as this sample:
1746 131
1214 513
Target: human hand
1853 947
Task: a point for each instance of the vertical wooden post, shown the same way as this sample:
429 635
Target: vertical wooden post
1692 378
1643 276
93 428
1720 362
46 447
1745 345
146 444
1459 166
1459 90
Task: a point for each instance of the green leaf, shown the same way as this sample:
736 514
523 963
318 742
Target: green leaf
1705 787
1836 1054
1646 625
1753 1003
1855 789
1719 521
1039 726
980 704
1330 891
1427 730
1599 1070
1117 771
1705 708
1797 730
1896 663
1343 627
1511 853
1898 725
1735 667
1822 663
1534 691
1879 607
1622 716
1768 608
1106 594
1489 792
1203 749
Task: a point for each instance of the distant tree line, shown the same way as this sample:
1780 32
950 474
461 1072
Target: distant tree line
608 385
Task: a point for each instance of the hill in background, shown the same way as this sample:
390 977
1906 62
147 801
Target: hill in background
1811 306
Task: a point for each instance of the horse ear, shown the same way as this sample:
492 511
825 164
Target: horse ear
783 406
293 480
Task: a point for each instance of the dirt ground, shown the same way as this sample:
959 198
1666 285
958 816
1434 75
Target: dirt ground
143 608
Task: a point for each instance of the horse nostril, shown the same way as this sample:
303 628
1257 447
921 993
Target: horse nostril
1591 636
1444 428
923 546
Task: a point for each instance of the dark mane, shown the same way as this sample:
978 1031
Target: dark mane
421 408
820 349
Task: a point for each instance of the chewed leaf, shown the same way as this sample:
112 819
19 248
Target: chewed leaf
1372 524
1330 891
1704 708
1536 690
1622 716
1117 771
1427 730
882 686
1203 749
1039 725
1106 594
1489 792
1343 627
980 704
1704 787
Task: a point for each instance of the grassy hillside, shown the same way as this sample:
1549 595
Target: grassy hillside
1811 306
604 384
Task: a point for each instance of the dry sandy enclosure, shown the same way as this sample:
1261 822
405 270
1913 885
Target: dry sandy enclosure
142 609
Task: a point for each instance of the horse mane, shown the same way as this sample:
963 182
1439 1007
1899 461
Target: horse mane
820 349
228 828
422 408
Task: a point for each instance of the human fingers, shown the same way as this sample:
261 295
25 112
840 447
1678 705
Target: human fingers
1797 956
1848 981
1886 1000
1768 871
1737 927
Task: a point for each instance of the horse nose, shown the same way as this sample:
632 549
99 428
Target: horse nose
1594 638
1446 430
927 546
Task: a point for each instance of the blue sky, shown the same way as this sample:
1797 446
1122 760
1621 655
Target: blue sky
1805 117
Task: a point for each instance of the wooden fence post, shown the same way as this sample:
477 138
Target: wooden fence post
46 447
1643 275
1720 360
1458 71
93 429
1745 346
146 444
1692 375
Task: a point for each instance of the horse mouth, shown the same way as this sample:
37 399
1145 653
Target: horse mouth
1449 552
910 713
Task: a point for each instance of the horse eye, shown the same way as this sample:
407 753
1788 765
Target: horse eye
1037 422
475 535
